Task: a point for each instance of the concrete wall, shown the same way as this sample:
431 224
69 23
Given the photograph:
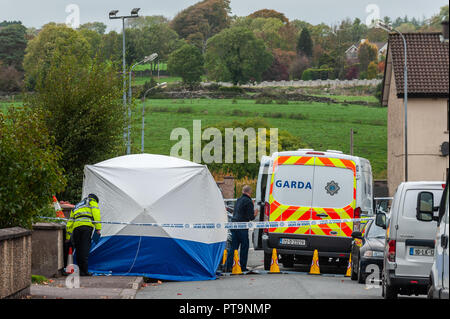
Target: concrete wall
427 130
47 242
15 262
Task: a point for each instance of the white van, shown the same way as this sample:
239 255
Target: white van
410 233
314 185
260 195
439 270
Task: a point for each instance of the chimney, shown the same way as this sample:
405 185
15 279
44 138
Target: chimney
445 31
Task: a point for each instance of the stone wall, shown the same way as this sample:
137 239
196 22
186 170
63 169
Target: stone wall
15 262
301 83
47 242
227 187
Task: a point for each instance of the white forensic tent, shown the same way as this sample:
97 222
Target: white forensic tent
147 188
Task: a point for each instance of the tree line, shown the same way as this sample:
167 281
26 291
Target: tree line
264 45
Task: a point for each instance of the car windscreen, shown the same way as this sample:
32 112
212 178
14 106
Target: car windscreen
375 231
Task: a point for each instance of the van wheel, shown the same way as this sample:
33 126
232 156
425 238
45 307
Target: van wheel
390 292
354 275
267 261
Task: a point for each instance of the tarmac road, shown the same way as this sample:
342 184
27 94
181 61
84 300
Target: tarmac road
291 284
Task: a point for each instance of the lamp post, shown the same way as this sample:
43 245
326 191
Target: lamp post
146 59
381 25
160 85
113 15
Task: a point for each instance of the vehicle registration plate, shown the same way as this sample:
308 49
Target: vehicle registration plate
293 242
421 251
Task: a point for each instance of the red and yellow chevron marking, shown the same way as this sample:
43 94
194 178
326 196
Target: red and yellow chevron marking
280 212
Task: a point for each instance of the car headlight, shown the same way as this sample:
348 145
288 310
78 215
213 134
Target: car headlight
372 253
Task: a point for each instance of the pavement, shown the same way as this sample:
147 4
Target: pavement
94 287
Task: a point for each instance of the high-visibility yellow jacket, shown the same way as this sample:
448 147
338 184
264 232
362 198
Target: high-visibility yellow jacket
84 213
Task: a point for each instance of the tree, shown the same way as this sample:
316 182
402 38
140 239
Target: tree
276 72
40 50
187 62
29 167
202 20
82 109
13 43
305 44
266 13
237 56
372 70
10 79
159 38
98 27
367 52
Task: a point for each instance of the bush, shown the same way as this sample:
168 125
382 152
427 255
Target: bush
185 110
316 74
29 170
298 116
263 100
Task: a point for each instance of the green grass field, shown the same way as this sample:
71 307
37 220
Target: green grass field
326 126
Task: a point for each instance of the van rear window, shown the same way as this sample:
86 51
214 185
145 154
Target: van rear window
292 185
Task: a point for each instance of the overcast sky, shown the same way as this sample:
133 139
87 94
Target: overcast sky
35 13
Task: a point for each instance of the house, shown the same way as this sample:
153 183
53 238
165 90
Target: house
352 52
428 107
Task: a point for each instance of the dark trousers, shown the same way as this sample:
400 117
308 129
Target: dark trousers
239 237
82 242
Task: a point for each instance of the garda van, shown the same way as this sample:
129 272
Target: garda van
313 186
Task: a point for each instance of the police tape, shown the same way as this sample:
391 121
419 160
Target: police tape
233 225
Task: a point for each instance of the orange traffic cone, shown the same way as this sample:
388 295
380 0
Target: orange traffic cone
315 269
70 268
236 270
224 259
274 268
349 267
58 209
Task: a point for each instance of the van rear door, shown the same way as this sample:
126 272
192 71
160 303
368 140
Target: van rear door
334 196
414 239
291 192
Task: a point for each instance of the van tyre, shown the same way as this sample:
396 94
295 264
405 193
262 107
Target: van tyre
267 261
354 275
388 292
361 277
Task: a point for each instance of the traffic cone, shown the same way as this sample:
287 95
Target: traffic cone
236 270
315 269
349 267
274 268
58 209
224 259
70 268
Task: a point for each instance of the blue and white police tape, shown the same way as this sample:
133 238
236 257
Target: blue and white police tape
233 225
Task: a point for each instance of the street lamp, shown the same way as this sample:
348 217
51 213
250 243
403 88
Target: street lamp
160 85
113 15
145 60
387 27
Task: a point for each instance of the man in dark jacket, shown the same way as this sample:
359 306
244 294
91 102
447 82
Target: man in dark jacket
244 211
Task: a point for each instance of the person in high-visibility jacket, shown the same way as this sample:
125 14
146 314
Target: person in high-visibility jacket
79 229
